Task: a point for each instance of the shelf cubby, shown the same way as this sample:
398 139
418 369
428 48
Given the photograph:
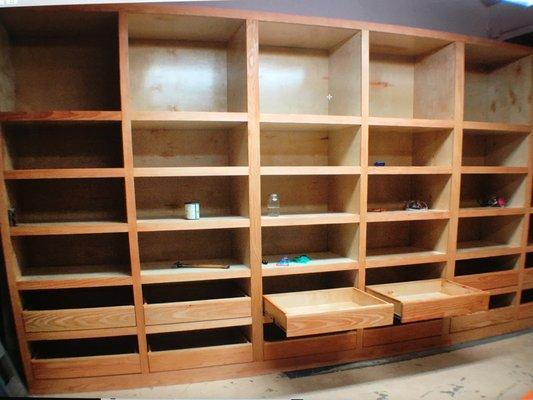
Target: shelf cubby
72 260
164 52
77 358
160 202
411 77
406 242
78 55
391 192
174 147
404 273
330 247
160 250
488 272
309 281
194 305
409 146
58 310
195 349
66 201
489 236
311 199
309 69
494 149
476 187
497 85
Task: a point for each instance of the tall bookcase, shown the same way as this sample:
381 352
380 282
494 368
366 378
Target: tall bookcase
112 117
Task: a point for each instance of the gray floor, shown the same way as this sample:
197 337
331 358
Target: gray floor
501 369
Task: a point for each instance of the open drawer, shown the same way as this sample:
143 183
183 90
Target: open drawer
433 298
328 310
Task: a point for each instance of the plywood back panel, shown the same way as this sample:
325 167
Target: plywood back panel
7 74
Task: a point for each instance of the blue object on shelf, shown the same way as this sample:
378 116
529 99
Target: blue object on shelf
283 262
379 163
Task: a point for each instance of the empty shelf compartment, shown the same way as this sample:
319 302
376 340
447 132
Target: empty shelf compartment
330 310
429 299
494 149
488 272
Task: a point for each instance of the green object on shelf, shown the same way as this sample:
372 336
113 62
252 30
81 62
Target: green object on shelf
303 259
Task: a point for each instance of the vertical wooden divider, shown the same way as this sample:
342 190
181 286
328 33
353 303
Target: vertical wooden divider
12 271
254 185
130 189
363 179
455 192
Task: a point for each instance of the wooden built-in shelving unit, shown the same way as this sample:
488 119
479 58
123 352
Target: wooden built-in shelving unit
112 117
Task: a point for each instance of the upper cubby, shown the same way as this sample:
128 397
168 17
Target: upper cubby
497 84
60 60
494 149
411 77
187 63
309 69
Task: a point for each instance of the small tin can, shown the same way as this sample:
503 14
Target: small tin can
192 210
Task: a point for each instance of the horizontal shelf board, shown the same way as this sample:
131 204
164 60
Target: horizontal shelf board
60 173
401 215
68 228
192 326
179 224
310 219
489 211
190 171
320 262
61 116
82 334
307 122
395 256
414 123
495 126
503 290
74 277
398 170
312 170
187 119
478 248
494 170
161 271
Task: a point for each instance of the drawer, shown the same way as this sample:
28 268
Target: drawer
78 319
525 311
483 319
528 276
402 333
429 299
489 280
328 310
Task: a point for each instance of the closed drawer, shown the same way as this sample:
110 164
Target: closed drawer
483 319
528 276
490 280
402 333
525 311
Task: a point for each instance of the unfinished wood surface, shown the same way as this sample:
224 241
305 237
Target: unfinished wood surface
436 298
525 311
401 333
489 280
482 319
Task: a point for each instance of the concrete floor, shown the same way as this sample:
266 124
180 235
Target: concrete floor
501 369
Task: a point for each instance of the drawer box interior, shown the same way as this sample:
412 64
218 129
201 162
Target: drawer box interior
434 298
324 311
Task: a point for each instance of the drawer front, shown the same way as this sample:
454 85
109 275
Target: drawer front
82 367
483 319
204 310
442 308
79 319
338 321
489 280
525 311
308 346
402 333
528 275
200 357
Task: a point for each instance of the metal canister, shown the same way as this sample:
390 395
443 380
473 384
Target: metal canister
192 210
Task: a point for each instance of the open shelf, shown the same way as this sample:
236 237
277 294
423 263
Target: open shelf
167 147
411 77
476 187
309 69
166 51
330 247
77 309
429 299
323 311
56 359
161 200
406 242
391 192
488 272
72 260
497 85
404 273
160 250
77 53
195 349
317 199
489 236
77 201
195 305
406 146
